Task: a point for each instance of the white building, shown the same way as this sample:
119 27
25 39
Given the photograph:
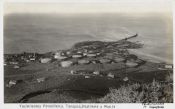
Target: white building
83 61
87 77
131 64
11 83
45 60
169 66
125 79
16 67
59 56
32 59
91 55
40 79
66 63
72 72
14 63
110 75
77 56
96 72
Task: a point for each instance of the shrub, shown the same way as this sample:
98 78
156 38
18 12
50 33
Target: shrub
154 92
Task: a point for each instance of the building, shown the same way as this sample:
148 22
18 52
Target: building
11 83
131 64
168 66
40 79
125 79
66 63
5 63
110 75
27 60
94 61
14 63
72 72
96 72
77 56
83 61
87 77
91 55
84 54
32 59
16 67
45 60
104 61
58 55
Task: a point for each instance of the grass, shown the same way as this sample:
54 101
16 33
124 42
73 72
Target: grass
154 92
58 77
53 98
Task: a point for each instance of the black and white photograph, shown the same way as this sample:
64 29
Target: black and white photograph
76 52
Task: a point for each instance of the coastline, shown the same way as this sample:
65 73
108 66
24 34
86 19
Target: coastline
150 57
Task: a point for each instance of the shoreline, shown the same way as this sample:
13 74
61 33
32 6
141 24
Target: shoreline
149 57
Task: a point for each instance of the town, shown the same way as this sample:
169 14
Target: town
90 60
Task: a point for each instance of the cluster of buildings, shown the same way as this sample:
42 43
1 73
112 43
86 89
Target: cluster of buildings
102 53
82 53
95 73
81 58
89 74
21 58
12 83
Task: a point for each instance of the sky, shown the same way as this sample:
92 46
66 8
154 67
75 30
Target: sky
119 6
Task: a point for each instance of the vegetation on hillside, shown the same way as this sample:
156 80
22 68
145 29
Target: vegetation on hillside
154 92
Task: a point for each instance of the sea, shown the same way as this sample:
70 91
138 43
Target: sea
27 32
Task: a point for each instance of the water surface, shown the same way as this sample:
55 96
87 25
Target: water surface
48 32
